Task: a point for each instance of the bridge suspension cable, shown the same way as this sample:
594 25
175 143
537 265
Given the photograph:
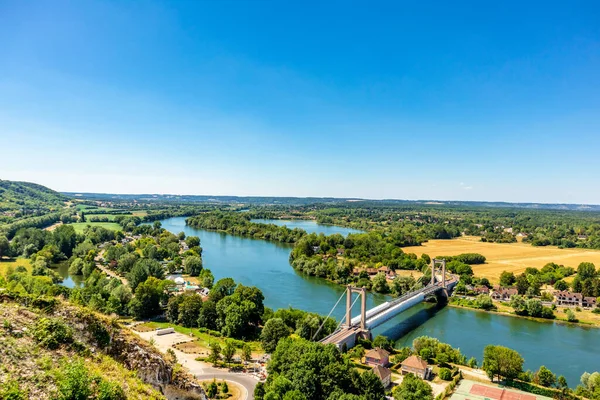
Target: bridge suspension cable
328 315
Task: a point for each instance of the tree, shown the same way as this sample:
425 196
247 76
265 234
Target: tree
246 352
215 352
228 351
571 317
192 241
224 287
413 388
76 267
189 310
522 284
380 283
137 275
561 285
562 382
534 307
545 377
586 270
212 389
371 386
148 295
507 279
224 388
4 246
518 303
500 361
484 302
274 330
193 265
445 374
382 342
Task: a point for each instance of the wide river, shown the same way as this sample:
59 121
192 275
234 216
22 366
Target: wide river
566 350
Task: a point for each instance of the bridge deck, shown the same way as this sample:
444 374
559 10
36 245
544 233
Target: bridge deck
383 312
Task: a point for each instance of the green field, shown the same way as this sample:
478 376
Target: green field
4 264
80 226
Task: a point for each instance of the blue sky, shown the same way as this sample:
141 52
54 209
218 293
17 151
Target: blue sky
411 100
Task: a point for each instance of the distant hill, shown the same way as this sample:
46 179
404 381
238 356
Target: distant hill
19 199
261 200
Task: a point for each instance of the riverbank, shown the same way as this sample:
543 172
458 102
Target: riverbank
591 321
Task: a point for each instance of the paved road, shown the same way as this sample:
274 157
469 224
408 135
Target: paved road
201 370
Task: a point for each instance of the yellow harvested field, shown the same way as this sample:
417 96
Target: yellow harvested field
512 257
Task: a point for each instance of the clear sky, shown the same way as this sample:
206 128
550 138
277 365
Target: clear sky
445 100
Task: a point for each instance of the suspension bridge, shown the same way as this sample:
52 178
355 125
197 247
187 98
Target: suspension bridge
350 329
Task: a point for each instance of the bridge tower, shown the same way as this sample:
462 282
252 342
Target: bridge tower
363 305
438 265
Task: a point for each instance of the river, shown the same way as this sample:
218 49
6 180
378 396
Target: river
566 350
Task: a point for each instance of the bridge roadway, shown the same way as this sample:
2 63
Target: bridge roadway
384 312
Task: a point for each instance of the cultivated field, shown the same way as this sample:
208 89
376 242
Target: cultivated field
80 226
514 257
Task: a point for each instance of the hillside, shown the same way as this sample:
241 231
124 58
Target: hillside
18 199
54 350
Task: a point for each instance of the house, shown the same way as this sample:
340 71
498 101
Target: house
589 302
377 356
582 237
356 271
340 252
508 230
566 298
503 294
371 271
482 290
415 365
389 273
384 375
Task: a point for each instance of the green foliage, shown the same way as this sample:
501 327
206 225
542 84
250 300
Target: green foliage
445 374
502 362
545 377
274 330
10 390
412 388
148 296
314 370
431 348
74 381
52 332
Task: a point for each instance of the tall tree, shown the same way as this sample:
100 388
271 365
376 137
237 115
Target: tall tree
502 362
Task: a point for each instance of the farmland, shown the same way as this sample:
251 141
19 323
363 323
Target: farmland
14 263
80 226
513 257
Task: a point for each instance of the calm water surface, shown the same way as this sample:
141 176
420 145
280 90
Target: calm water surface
566 350
309 226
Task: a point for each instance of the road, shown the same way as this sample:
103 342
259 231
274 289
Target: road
107 271
201 370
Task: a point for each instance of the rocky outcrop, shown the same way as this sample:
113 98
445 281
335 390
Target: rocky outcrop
106 335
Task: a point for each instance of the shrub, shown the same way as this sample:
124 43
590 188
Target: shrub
445 374
74 382
10 390
110 391
52 332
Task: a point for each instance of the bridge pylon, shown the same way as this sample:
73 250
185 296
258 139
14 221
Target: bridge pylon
442 270
363 305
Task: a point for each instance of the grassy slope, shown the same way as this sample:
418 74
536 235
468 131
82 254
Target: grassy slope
5 264
36 369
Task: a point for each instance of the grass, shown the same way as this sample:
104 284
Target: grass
80 226
234 393
512 257
5 264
